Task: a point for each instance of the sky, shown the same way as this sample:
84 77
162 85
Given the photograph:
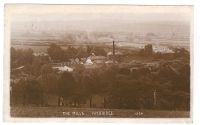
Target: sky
94 17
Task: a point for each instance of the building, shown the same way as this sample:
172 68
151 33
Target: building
88 62
62 69
148 50
93 62
162 49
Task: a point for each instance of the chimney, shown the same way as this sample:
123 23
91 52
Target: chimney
113 52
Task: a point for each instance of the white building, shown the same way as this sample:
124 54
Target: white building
63 69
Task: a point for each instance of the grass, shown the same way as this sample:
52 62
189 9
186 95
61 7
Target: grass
48 112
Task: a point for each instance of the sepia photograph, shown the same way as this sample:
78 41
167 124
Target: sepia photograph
98 61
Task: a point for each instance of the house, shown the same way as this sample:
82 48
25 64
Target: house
62 69
77 60
93 62
162 49
88 62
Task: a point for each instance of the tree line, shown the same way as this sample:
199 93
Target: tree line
122 88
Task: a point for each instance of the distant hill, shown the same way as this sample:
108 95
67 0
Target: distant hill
89 32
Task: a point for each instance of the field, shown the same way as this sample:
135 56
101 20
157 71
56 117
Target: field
48 112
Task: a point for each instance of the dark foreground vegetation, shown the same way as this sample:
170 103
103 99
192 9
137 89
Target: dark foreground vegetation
139 80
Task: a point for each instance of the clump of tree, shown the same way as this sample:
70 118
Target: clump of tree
55 52
133 90
21 57
166 88
58 54
26 92
99 51
29 64
181 52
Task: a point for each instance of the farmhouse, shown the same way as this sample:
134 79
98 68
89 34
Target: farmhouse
62 69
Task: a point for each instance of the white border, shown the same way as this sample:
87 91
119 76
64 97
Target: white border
196 44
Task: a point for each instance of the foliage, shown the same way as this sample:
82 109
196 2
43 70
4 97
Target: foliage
55 52
21 57
122 88
26 92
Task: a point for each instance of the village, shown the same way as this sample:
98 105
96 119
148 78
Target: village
98 78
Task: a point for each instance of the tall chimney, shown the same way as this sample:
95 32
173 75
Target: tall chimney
113 52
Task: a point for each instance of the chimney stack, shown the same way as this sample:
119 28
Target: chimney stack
113 52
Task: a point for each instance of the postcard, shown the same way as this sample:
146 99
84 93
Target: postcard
98 62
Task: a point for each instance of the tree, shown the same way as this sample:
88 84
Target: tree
148 50
158 55
33 91
98 51
55 52
13 56
28 56
89 49
26 92
181 52
81 53
45 70
21 57
17 95
66 85
37 66
71 52
49 79
78 72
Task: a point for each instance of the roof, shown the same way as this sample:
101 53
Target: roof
63 68
88 62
